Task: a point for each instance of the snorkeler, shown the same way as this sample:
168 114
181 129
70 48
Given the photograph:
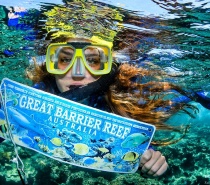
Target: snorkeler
14 14
82 70
12 17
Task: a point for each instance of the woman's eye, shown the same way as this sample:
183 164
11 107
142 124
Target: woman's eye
93 60
65 60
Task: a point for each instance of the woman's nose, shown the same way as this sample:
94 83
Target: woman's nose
78 69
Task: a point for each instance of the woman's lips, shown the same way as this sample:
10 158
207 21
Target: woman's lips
77 84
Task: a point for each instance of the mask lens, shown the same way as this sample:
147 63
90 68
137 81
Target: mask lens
62 57
96 57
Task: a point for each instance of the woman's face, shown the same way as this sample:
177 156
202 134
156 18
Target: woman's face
69 79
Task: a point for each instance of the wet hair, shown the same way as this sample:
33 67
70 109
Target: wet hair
150 101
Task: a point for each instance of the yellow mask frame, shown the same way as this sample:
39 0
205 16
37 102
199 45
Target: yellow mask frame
78 49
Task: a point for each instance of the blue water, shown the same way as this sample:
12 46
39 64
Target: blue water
174 35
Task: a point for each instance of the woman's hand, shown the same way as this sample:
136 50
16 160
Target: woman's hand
153 163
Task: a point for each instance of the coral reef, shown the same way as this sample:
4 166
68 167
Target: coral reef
189 163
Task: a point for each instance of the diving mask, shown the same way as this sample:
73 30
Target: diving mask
96 58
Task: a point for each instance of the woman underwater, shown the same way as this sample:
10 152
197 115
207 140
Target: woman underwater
91 77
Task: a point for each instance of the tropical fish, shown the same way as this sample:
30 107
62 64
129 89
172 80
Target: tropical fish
101 140
71 136
103 150
110 140
80 149
130 156
11 96
37 139
93 140
101 143
75 135
43 147
56 141
135 140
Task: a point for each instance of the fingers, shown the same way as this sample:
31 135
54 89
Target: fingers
153 163
146 157
161 170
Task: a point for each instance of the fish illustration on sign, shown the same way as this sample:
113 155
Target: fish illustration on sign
37 139
80 149
25 121
69 135
103 150
11 96
130 156
135 140
56 141
103 143
43 147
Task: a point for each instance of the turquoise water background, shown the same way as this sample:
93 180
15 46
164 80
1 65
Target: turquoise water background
174 35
